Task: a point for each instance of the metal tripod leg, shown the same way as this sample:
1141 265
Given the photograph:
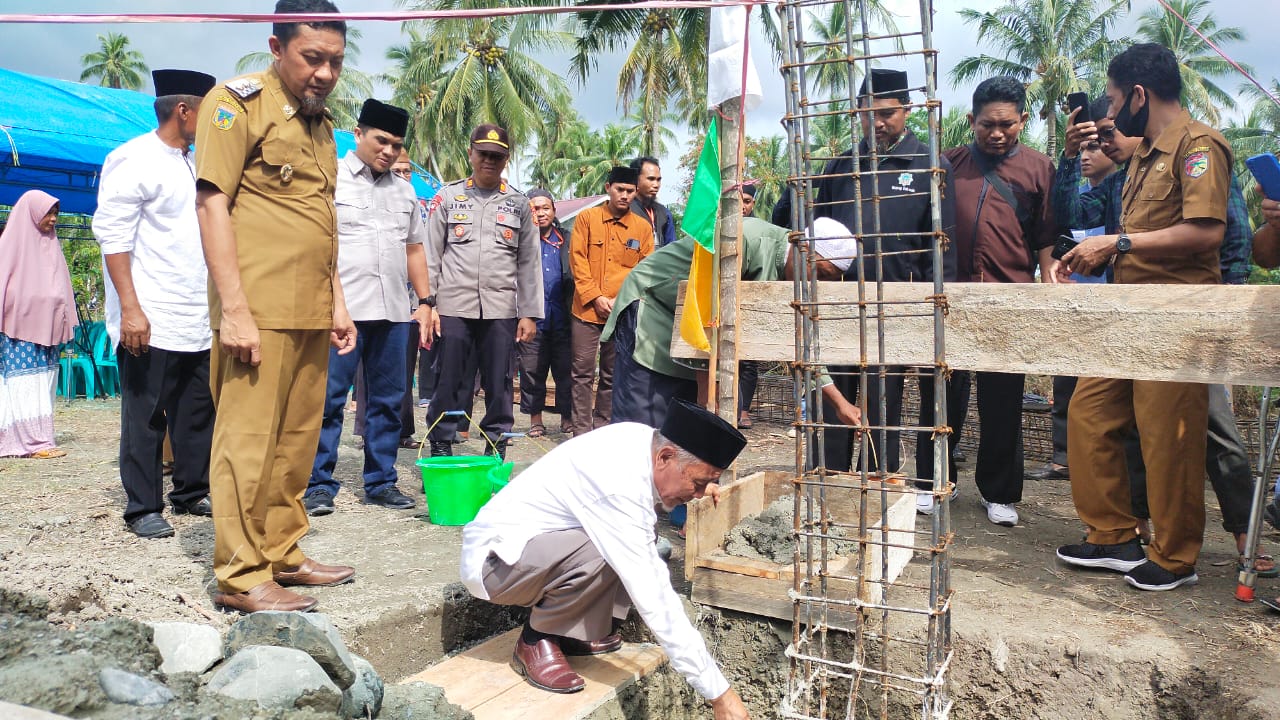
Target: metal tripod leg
1268 438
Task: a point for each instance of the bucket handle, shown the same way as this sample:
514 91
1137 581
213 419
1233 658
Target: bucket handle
505 435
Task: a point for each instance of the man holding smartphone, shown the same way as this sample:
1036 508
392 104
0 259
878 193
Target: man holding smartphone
608 240
1172 223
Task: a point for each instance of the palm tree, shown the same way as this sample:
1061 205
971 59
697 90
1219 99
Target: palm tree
1197 62
955 129
353 88
767 165
583 157
664 66
115 64
832 43
1046 44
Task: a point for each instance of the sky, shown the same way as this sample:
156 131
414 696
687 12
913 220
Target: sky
55 50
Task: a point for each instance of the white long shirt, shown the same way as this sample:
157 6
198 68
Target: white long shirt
377 219
601 482
147 208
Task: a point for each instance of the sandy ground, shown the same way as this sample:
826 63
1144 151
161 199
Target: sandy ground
62 537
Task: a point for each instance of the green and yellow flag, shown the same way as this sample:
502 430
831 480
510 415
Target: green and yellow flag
699 222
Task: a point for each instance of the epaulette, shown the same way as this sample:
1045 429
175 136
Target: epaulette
245 87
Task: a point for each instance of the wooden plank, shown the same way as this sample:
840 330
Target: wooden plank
707 524
1186 333
481 680
719 560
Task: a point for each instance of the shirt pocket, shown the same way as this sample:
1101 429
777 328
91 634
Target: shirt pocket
398 220
508 230
281 163
462 229
629 252
353 214
1156 206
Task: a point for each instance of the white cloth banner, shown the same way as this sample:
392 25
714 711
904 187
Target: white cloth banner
726 49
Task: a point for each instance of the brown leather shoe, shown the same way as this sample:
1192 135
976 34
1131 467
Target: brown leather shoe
606 644
266 596
545 667
314 574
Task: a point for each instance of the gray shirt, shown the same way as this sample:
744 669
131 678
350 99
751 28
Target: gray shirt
482 253
377 219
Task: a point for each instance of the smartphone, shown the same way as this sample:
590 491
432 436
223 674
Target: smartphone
1079 100
1266 169
1066 244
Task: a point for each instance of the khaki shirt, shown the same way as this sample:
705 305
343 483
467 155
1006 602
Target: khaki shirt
1183 175
482 253
278 168
377 219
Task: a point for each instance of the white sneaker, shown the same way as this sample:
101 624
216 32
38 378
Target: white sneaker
925 500
1000 513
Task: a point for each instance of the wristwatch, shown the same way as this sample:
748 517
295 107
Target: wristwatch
1123 245
429 301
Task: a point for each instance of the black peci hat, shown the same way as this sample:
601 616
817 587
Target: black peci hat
623 174
182 82
384 117
703 433
887 84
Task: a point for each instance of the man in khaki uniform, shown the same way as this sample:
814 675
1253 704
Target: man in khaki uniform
1172 223
265 170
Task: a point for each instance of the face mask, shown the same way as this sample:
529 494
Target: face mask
1132 124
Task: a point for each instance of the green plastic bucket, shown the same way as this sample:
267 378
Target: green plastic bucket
457 486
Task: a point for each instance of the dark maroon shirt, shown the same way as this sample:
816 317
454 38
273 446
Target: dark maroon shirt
991 244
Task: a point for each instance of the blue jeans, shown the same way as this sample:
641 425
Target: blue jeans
381 345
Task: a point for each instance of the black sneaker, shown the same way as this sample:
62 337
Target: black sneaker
441 449
501 451
318 503
390 498
1121 558
1150 576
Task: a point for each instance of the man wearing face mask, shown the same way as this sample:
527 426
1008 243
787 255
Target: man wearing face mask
1004 230
900 179
1172 223
266 168
380 238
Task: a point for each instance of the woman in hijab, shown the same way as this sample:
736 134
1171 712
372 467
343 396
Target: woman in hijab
37 314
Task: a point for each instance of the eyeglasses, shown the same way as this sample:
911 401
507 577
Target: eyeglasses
405 173
1107 135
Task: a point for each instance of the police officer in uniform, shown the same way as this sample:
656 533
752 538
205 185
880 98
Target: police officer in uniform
905 240
1172 223
265 172
484 261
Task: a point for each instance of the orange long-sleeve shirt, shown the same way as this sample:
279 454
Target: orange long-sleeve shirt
602 250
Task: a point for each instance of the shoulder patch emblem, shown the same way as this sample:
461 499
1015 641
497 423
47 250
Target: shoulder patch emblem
1196 164
245 87
224 117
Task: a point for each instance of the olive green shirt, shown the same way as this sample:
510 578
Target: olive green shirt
655 282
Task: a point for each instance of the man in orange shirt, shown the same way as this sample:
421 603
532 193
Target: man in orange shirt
608 240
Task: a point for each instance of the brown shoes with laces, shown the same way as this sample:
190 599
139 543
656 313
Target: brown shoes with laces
545 667
313 574
267 596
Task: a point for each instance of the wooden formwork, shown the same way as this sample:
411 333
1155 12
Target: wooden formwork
762 587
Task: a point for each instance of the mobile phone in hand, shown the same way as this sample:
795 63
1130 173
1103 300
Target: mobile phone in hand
1066 244
1266 170
1079 100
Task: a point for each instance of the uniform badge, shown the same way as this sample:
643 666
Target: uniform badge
288 110
286 173
506 234
459 230
224 117
904 179
460 198
1160 167
502 218
461 216
1196 164
436 201
245 87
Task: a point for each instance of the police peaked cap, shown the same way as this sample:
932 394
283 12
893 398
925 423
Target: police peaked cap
886 84
703 433
623 174
384 117
182 82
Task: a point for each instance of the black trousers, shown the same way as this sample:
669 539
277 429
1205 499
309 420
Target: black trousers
838 443
549 350
1225 460
748 379
1063 388
493 345
999 471
164 390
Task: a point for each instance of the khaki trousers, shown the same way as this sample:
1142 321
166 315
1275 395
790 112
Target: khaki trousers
264 444
569 589
1172 419
585 339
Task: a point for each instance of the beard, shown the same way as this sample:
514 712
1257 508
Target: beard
312 106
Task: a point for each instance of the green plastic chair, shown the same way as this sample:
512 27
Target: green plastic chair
104 356
76 370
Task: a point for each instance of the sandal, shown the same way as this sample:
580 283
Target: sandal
410 444
536 431
1269 571
48 454
744 422
1273 604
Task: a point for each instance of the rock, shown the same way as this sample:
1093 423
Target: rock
66 684
276 677
419 701
1000 655
129 689
311 633
364 698
186 647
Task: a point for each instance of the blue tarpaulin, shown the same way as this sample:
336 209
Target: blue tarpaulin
55 135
